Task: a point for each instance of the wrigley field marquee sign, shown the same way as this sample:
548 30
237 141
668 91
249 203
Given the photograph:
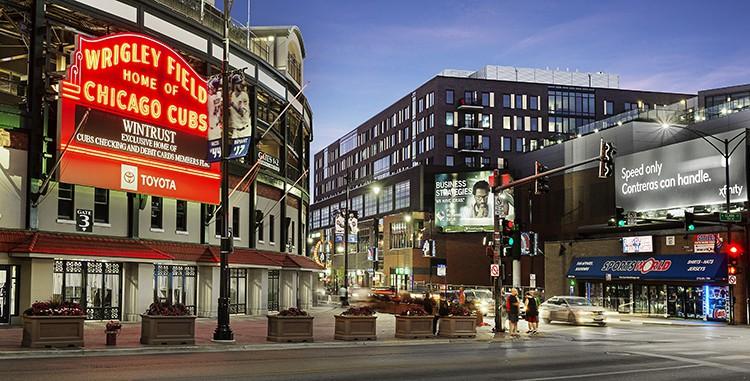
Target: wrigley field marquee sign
134 117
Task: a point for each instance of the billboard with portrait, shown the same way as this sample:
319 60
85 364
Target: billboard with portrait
463 202
133 117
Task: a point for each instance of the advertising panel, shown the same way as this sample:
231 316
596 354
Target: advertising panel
240 131
463 202
639 244
133 117
691 267
678 175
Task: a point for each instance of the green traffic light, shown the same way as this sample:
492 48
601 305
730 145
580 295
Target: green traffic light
621 223
691 227
510 241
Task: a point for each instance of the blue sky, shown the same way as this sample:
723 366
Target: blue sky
364 55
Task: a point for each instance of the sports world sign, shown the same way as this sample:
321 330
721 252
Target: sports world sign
134 117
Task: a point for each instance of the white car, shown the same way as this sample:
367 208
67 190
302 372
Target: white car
572 309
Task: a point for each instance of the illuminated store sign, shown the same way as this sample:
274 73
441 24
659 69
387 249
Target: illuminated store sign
134 117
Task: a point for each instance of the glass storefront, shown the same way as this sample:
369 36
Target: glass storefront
176 284
237 291
94 285
273 290
681 301
8 293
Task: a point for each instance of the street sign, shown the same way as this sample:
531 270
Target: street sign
84 220
670 240
730 217
733 279
494 270
532 280
442 270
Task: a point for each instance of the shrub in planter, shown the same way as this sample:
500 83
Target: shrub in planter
459 323
414 323
53 324
290 325
167 323
356 323
112 330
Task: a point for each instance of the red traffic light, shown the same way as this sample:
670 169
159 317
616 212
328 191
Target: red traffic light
732 270
734 250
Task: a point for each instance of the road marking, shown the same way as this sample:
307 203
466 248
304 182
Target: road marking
611 373
697 353
694 361
731 357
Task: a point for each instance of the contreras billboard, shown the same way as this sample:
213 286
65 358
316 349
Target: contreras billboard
134 117
678 175
463 202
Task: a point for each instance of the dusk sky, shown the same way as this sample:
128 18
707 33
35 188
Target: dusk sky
364 55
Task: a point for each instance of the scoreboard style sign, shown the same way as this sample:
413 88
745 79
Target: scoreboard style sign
134 117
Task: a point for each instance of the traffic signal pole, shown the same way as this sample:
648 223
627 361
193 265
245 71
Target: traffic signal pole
498 281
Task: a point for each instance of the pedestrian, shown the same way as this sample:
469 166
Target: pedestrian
513 305
443 310
532 313
342 296
461 296
428 303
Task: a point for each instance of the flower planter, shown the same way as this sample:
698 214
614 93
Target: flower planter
355 327
167 330
52 331
458 326
290 329
394 308
414 327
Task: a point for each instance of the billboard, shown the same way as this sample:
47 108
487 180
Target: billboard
679 175
133 117
463 202
240 131
639 244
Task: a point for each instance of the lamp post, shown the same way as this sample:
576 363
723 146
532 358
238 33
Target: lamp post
345 301
223 332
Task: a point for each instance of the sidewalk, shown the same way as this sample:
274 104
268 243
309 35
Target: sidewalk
640 319
249 333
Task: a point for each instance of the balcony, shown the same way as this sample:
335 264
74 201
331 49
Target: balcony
470 148
469 104
471 126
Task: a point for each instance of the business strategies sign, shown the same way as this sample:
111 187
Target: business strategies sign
463 202
679 175
134 117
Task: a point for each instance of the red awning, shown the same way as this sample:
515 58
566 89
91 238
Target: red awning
91 246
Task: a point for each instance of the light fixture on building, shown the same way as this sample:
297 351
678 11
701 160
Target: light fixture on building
375 189
407 217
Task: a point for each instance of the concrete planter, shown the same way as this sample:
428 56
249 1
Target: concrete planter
355 327
290 329
52 331
394 308
167 330
413 327
458 326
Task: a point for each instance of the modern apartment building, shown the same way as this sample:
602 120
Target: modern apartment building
457 121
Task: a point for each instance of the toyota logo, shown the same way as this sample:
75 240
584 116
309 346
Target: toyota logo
129 177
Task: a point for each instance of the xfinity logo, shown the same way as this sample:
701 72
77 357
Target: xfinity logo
128 177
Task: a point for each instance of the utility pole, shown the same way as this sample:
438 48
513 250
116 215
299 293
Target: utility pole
345 302
223 332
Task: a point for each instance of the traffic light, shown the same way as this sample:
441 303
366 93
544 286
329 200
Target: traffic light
606 159
689 221
541 185
620 216
732 269
507 234
495 179
734 250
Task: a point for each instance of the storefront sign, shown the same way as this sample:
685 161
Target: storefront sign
679 175
705 243
639 244
133 117
707 267
269 161
442 270
464 202
84 220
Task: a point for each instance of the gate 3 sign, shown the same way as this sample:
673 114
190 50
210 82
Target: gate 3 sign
143 117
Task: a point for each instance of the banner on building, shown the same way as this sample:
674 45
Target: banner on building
133 117
240 128
679 175
638 244
463 202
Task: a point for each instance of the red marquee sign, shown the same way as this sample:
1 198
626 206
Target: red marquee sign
141 115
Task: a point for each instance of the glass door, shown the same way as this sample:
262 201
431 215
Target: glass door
5 295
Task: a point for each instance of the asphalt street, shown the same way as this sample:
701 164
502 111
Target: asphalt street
620 351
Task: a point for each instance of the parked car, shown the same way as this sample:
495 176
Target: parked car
481 299
359 294
572 309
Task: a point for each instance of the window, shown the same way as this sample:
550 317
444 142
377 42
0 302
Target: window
485 120
485 161
630 106
519 123
273 290
236 221
449 160
65 201
485 142
101 205
381 167
469 121
469 97
533 103
322 222
448 119
237 291
181 216
370 204
569 102
402 194
272 228
357 205
506 100
534 124
448 140
176 284
519 100
470 161
157 212
94 285
400 237
609 108
507 145
449 97
485 99
533 145
520 144
506 123
218 221
385 199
